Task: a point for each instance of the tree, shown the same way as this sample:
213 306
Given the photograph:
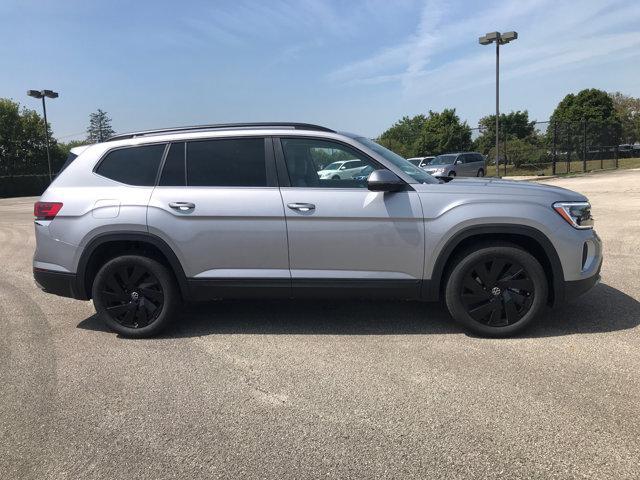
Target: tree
628 110
22 141
590 104
443 132
590 111
403 136
99 128
512 125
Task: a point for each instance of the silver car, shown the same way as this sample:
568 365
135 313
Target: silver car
148 220
464 164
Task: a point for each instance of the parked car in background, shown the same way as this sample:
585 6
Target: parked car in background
342 170
363 175
421 162
149 219
463 164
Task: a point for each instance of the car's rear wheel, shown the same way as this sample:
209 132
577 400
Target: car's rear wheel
481 172
135 296
496 291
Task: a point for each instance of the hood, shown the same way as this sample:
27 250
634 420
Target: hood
491 186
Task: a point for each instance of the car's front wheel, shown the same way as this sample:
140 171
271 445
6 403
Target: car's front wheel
135 296
496 291
452 174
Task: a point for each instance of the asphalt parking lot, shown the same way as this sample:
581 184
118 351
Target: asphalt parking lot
346 389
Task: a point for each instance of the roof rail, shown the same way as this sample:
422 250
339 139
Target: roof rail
220 126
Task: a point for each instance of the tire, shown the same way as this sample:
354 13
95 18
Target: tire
135 296
335 177
452 174
480 173
496 290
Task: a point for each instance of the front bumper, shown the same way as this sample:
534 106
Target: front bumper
574 289
63 284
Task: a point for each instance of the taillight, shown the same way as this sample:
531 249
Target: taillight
46 210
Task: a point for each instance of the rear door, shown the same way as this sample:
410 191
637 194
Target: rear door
218 206
465 167
343 238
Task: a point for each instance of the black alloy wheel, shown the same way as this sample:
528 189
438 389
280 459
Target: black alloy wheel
132 296
135 295
497 292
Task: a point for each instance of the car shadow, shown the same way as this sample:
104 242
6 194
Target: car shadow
603 309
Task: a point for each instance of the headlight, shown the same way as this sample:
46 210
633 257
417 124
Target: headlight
577 214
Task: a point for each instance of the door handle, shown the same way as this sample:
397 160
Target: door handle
182 206
302 207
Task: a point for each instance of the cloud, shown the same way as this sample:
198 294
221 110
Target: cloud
554 35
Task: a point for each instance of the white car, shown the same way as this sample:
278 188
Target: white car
341 170
421 162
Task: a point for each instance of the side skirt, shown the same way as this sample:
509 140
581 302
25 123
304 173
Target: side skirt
209 289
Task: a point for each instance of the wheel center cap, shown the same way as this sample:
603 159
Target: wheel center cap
496 291
135 296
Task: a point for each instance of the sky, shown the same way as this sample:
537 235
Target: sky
351 65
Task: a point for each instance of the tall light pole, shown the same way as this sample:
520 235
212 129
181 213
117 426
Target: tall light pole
499 39
45 94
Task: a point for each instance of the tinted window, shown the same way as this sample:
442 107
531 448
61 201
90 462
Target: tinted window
70 158
320 164
133 166
238 162
173 173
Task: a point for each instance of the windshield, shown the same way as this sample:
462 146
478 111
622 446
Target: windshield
407 167
443 160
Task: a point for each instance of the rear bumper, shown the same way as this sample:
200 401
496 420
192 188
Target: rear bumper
63 284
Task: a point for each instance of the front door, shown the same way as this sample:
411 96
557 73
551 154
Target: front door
343 238
218 207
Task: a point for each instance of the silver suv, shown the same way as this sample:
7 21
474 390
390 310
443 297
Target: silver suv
464 164
147 220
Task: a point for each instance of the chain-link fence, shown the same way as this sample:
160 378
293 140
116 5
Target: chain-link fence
556 147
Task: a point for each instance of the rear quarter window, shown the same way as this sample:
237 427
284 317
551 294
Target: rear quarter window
133 165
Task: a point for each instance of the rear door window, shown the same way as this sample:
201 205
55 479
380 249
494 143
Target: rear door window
173 173
133 165
237 162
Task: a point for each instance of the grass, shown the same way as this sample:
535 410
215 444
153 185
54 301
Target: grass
561 167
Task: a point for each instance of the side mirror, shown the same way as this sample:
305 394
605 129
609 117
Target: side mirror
458 162
384 181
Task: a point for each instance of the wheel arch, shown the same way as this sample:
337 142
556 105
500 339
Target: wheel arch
107 246
531 239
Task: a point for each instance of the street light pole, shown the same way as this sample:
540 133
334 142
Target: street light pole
46 136
497 108
499 39
44 94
